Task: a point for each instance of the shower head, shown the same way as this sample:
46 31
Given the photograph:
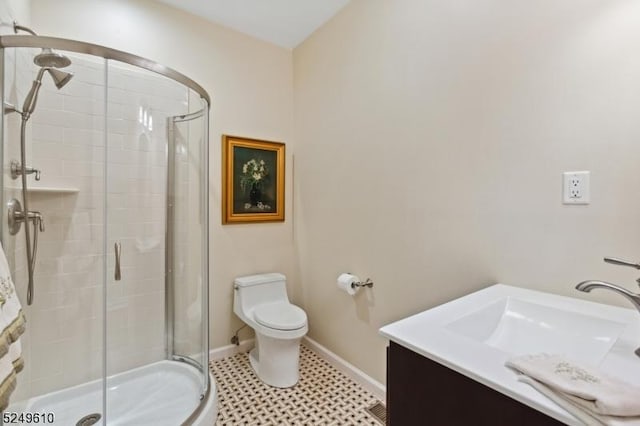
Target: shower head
46 58
49 58
60 78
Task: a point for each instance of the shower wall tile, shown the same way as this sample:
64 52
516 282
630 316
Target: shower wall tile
46 364
48 151
82 105
75 120
92 74
82 169
41 385
53 101
81 89
82 136
45 133
51 165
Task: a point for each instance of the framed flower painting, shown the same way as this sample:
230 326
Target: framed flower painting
252 180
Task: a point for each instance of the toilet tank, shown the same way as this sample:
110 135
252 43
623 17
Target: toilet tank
253 290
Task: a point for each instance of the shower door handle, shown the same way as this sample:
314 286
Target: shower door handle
118 250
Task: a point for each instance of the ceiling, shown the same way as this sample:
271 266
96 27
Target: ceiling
283 22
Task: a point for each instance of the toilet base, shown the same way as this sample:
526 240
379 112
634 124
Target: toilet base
276 361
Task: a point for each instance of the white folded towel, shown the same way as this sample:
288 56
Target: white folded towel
592 396
12 325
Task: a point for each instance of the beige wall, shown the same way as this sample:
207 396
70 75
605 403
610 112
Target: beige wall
430 141
250 83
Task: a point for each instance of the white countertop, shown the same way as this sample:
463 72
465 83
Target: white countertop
429 333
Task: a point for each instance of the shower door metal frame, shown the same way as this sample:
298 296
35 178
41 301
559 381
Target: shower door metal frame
41 42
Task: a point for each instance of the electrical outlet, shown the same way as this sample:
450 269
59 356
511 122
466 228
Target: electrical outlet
576 188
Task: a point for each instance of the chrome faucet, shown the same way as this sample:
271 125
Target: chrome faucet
634 298
587 286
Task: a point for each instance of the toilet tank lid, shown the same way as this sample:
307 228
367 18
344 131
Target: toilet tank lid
250 280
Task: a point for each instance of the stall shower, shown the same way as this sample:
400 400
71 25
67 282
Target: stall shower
112 154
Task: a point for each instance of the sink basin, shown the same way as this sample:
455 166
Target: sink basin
520 327
476 334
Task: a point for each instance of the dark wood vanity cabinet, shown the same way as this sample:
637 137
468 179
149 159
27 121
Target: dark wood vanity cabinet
422 392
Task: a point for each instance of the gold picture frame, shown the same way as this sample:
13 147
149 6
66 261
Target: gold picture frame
252 180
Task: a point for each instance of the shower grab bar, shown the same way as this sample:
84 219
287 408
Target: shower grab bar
118 250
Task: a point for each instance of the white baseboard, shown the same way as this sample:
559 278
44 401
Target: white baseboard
369 383
376 388
231 350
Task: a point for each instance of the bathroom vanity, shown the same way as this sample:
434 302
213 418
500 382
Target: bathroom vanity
446 365
422 391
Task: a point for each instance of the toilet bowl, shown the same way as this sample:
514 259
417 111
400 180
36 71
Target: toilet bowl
261 301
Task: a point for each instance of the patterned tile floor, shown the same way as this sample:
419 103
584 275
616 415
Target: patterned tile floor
323 396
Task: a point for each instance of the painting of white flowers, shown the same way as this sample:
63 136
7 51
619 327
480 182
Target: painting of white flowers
253 180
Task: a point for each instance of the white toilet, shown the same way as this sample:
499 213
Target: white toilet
261 302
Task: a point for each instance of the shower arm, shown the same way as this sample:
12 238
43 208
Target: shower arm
17 27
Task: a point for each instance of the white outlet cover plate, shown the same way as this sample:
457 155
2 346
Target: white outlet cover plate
576 181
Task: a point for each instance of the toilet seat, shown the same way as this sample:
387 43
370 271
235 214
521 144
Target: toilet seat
280 316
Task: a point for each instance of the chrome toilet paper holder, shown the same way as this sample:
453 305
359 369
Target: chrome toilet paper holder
367 283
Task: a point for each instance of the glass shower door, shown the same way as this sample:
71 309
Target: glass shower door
137 104
187 240
152 376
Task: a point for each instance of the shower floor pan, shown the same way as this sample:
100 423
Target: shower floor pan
162 393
